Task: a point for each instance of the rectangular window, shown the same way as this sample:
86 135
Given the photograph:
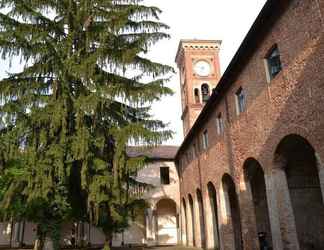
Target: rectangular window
273 63
240 101
220 124
165 175
205 140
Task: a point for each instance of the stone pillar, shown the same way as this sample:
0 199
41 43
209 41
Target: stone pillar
183 226
197 222
213 221
208 224
154 228
189 226
226 227
220 240
320 166
248 219
147 227
150 227
282 220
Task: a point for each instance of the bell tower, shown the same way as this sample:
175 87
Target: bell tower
198 63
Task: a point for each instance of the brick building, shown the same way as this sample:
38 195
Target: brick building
251 165
252 161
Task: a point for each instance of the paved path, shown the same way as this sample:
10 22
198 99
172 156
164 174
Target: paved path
172 248
158 248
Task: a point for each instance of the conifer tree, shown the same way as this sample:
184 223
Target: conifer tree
83 95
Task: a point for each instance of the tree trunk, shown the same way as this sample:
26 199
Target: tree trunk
48 244
44 244
108 241
36 244
43 241
39 242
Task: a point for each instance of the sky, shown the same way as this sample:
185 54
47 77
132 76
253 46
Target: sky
226 20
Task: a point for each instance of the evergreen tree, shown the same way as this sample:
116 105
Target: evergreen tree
83 95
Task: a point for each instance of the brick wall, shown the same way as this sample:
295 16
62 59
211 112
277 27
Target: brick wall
292 103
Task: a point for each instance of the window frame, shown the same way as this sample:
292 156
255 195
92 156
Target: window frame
267 63
240 106
220 125
165 180
205 142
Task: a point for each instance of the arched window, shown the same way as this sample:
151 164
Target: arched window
205 92
196 92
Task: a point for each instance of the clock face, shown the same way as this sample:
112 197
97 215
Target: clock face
202 68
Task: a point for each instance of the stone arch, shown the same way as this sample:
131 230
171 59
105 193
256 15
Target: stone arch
153 203
201 218
166 211
232 228
295 129
192 220
254 178
184 223
212 208
297 158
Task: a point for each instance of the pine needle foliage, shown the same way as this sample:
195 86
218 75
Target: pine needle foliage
83 95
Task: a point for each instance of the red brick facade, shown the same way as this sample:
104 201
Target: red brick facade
281 118
190 52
